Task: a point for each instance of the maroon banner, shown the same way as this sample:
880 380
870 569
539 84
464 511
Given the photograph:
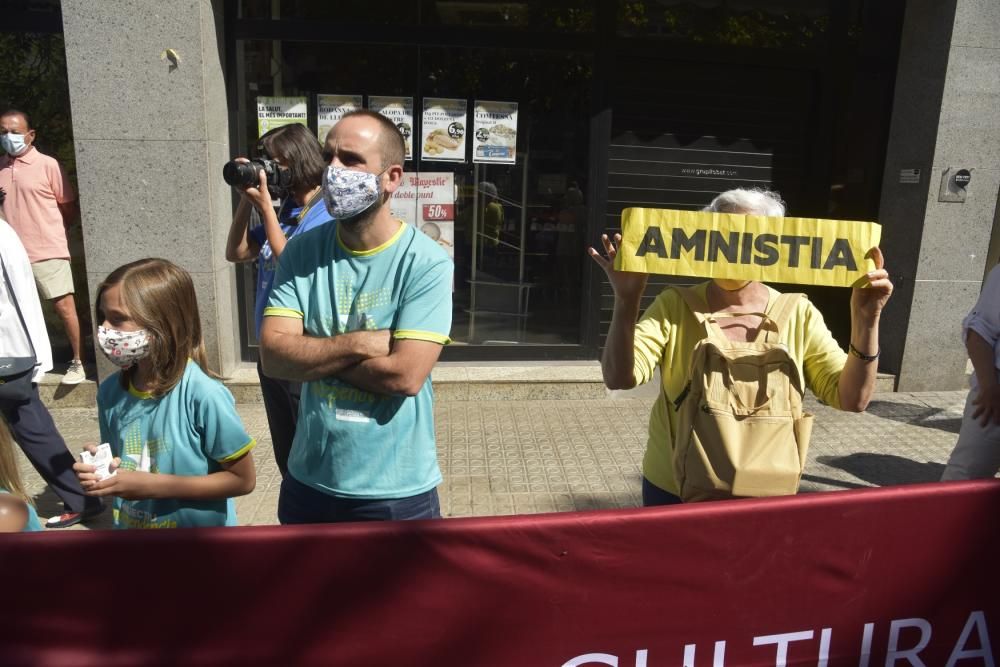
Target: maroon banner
897 576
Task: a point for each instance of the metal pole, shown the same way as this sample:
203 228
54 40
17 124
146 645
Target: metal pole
524 222
475 252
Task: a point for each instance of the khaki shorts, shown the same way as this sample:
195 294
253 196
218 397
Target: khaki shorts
53 278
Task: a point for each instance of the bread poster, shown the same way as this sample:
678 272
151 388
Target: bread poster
443 130
426 200
331 108
400 111
494 132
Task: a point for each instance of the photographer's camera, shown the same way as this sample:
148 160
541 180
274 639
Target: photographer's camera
245 174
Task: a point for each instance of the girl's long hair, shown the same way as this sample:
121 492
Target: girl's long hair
160 298
10 476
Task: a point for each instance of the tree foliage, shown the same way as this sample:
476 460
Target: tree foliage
33 79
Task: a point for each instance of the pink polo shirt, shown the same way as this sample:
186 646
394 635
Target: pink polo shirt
35 185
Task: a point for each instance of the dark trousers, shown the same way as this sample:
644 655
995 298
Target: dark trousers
36 434
653 495
298 503
281 403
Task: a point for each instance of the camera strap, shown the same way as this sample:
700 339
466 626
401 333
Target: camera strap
308 206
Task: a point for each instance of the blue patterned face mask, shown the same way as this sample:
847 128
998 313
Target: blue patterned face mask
348 192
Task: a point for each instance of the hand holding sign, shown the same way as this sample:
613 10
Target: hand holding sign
739 246
626 284
867 301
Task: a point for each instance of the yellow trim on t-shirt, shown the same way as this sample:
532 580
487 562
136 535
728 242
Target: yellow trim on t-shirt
241 451
373 251
144 395
274 311
416 334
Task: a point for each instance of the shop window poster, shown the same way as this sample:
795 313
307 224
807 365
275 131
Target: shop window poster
274 112
443 129
331 108
494 132
426 200
400 111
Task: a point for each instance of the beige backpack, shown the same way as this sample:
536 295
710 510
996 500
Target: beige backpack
741 430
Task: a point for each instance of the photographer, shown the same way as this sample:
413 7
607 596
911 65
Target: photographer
292 168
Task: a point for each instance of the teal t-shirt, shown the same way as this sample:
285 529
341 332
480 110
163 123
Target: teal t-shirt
33 524
187 431
350 442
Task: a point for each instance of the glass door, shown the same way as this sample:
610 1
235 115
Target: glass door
515 230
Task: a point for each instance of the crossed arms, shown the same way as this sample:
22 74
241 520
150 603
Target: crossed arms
369 360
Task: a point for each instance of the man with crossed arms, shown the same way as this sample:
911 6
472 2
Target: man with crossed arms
359 312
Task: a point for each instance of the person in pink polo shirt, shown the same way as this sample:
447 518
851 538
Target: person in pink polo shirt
41 204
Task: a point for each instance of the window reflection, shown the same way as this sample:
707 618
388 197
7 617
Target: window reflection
515 231
793 24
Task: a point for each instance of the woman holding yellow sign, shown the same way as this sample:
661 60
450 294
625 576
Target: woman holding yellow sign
749 328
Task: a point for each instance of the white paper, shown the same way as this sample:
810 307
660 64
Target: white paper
101 459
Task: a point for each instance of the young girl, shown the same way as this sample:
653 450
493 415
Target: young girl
17 514
181 452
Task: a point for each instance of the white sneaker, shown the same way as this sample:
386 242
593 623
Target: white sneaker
74 374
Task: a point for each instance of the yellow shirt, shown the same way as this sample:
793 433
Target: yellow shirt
665 336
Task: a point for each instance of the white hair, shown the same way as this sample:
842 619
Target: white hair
754 202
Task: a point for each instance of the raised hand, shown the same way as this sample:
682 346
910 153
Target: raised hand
626 284
867 302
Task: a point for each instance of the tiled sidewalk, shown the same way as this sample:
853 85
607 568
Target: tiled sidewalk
507 457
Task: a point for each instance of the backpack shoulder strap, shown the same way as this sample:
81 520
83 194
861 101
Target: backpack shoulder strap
782 310
695 303
699 308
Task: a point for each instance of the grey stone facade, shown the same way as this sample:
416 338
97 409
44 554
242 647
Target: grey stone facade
151 138
946 114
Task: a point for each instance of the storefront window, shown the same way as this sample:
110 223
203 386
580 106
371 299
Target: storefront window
512 211
795 24
553 16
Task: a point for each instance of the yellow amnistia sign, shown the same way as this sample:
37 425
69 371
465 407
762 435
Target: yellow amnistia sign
807 251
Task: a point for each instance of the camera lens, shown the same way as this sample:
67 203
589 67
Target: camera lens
240 173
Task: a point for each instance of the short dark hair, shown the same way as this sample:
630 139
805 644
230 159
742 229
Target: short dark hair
301 151
17 112
392 146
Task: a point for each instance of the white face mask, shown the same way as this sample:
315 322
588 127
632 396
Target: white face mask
123 348
348 193
13 144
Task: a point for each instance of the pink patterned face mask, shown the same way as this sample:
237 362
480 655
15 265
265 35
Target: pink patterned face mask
123 348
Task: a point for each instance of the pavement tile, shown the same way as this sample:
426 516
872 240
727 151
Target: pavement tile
509 457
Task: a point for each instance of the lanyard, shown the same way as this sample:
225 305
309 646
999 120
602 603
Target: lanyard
308 207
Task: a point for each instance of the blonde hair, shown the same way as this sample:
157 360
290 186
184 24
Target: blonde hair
160 298
10 475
